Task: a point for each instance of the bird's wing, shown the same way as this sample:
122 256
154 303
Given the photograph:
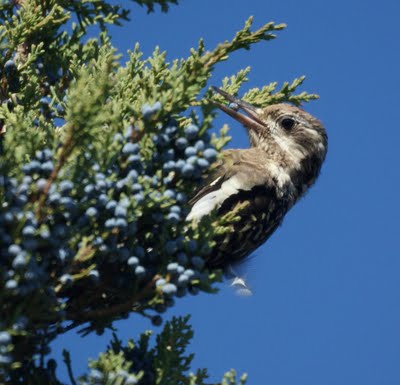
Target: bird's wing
248 183
237 170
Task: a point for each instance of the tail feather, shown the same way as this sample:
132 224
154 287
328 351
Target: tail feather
238 282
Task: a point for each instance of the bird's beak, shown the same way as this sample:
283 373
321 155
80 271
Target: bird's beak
252 118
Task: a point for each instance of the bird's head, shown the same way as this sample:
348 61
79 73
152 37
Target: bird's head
291 137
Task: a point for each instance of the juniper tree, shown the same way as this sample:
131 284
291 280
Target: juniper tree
98 162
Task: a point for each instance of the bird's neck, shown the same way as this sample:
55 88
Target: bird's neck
301 169
304 176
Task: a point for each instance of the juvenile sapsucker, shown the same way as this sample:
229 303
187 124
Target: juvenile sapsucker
288 147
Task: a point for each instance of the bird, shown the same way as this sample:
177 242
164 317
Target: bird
259 184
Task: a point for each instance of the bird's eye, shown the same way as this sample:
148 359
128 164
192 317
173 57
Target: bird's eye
288 123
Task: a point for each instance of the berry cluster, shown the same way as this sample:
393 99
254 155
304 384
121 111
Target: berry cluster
47 78
49 109
115 226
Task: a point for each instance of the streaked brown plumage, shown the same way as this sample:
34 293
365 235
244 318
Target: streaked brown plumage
288 147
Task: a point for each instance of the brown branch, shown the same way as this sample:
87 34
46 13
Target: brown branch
116 309
66 150
68 363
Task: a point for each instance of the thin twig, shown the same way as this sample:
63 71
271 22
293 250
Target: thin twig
66 150
67 360
116 309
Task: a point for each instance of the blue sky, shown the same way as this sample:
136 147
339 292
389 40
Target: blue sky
325 309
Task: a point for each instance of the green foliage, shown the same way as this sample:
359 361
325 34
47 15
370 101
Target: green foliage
95 180
165 363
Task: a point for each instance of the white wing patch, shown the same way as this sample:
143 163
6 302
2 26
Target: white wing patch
214 199
215 181
203 206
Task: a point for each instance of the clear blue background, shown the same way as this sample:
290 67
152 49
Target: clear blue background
326 303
